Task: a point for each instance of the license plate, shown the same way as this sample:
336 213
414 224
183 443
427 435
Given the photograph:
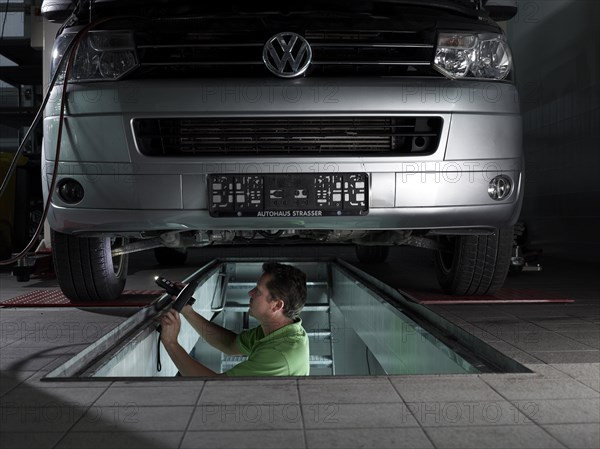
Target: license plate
288 195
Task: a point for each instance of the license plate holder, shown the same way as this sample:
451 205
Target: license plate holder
288 195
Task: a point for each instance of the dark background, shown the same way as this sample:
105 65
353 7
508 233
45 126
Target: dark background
556 47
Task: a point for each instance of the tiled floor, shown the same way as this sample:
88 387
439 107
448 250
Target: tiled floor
556 406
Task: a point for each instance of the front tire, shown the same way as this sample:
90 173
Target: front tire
474 264
85 268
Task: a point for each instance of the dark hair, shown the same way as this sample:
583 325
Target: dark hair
287 283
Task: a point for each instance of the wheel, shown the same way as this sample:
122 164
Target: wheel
474 264
372 254
85 268
170 257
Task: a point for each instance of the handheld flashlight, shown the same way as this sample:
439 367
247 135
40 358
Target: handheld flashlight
170 287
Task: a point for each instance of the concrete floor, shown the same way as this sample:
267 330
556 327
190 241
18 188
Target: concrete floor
558 405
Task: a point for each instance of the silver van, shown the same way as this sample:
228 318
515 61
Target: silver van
374 123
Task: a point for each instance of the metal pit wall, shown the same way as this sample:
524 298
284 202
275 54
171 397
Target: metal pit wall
357 326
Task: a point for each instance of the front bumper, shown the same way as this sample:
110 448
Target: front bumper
127 192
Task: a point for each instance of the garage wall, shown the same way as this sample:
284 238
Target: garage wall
556 46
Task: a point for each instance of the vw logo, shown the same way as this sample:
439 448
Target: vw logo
287 55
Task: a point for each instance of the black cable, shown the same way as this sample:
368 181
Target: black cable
4 20
36 120
13 164
73 45
40 112
158 364
367 357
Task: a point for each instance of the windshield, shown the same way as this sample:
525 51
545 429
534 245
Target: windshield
60 9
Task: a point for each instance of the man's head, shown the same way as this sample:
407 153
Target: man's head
282 283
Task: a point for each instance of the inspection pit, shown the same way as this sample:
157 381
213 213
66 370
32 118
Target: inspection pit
357 326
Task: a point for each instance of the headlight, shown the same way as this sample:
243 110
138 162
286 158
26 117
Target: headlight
469 55
58 51
101 56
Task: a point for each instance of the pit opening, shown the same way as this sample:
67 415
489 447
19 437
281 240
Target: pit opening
357 326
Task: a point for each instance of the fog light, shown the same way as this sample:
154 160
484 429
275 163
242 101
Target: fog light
70 191
500 187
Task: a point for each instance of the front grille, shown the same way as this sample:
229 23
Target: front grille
172 50
364 136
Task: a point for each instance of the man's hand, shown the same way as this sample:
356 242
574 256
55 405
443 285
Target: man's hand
171 324
187 366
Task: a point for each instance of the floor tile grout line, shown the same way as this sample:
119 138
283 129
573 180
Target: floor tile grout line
465 426
574 340
565 351
39 350
526 351
59 356
546 399
11 343
195 407
451 401
528 417
40 369
302 423
564 373
528 321
458 426
18 384
519 321
559 439
500 339
412 414
80 418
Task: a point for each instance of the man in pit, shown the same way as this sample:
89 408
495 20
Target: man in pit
278 346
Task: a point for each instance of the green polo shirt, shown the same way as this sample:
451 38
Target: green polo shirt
283 352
